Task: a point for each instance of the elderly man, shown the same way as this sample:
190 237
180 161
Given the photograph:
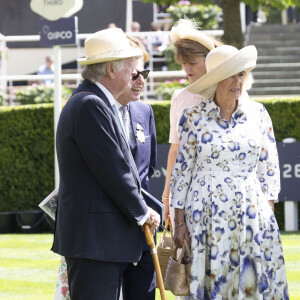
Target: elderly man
100 206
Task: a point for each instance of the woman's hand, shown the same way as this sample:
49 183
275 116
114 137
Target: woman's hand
181 234
167 209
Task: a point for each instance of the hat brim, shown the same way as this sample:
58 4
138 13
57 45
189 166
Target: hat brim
110 56
244 60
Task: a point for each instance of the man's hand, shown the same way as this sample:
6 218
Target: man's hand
153 220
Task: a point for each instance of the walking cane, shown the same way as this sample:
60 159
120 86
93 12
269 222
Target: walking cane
150 242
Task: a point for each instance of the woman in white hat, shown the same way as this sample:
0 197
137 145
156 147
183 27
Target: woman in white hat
224 183
191 47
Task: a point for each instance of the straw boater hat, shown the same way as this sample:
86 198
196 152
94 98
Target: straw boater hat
187 29
107 45
224 62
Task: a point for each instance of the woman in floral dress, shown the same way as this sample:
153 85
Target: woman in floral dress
191 45
224 183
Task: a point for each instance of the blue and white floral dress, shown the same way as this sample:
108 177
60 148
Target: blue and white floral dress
224 175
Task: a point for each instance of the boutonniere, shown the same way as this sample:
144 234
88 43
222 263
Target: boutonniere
140 133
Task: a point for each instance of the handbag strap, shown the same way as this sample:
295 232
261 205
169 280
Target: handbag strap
168 223
185 251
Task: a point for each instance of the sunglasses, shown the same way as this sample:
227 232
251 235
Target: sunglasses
144 73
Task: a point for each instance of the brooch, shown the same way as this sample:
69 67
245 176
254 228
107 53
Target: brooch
140 133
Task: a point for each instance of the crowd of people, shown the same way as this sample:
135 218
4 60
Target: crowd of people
222 174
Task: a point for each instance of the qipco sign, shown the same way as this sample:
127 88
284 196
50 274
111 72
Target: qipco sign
61 32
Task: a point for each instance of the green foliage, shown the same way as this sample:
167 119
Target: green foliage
2 98
170 59
273 14
166 89
26 156
206 16
280 4
37 94
161 110
285 115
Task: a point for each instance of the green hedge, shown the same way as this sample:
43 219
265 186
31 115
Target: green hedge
26 156
285 114
27 147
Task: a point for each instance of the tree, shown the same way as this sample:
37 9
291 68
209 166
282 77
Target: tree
231 14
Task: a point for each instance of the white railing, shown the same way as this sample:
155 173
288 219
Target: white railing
148 92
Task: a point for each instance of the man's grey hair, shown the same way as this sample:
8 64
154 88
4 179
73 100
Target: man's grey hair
94 72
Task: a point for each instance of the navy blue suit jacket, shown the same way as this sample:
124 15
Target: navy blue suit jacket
141 115
99 203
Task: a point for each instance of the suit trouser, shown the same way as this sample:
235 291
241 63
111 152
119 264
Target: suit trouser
93 280
138 282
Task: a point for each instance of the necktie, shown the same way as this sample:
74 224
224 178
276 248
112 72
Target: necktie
125 119
119 121
116 112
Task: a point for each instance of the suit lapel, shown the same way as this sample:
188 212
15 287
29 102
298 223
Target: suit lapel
133 118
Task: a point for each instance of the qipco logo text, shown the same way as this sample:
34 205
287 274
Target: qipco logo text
63 35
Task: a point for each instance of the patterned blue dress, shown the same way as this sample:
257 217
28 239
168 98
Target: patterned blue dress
224 175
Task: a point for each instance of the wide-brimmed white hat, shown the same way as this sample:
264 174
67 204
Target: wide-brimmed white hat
107 45
224 62
187 29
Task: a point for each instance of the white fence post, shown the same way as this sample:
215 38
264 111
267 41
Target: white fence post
57 103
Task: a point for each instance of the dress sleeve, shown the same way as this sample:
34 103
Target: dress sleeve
173 137
268 171
185 162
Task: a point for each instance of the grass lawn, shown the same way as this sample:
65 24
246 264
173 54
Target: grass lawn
28 269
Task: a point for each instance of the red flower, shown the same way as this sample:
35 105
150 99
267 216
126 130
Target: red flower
64 290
